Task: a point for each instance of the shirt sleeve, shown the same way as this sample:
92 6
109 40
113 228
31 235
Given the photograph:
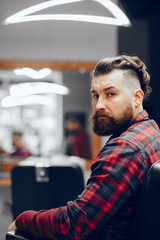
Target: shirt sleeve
116 175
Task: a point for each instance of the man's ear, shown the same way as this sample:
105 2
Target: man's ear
138 97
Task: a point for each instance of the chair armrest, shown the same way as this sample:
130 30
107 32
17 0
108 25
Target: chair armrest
19 235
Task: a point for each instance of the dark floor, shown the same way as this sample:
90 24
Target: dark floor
5 212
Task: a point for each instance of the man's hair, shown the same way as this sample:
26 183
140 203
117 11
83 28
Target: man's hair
17 134
124 62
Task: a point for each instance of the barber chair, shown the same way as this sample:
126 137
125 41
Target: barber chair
147 224
42 187
19 236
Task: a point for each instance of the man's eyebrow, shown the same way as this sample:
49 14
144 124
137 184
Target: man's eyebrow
93 91
108 88
105 89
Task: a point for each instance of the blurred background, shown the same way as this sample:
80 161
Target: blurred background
69 49
45 73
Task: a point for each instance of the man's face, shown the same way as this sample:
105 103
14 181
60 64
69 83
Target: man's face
73 126
112 103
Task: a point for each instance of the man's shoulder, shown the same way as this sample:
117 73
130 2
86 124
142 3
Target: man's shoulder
140 133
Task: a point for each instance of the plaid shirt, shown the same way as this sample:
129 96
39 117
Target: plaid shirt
106 208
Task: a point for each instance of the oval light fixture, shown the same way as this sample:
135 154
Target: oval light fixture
119 19
30 88
9 101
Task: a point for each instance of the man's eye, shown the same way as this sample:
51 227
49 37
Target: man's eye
95 96
111 94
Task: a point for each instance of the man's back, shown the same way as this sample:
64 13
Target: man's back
128 157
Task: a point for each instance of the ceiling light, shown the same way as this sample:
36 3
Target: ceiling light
42 73
9 101
26 89
119 18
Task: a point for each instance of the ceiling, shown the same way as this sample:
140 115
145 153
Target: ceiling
62 40
56 40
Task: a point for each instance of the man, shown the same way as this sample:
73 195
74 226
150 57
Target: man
21 150
107 206
78 143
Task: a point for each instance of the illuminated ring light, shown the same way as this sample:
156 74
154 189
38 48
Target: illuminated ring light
119 19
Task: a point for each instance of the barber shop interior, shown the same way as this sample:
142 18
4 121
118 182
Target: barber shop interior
49 151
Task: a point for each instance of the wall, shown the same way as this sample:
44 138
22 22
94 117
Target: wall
79 98
154 52
142 39
135 39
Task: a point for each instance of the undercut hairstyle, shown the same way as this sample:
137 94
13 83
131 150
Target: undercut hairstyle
131 63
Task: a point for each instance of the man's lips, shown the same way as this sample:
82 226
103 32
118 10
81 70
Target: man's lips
101 116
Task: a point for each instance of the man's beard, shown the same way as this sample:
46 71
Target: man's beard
110 125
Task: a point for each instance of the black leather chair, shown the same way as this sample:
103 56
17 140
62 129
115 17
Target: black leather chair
39 188
19 236
147 222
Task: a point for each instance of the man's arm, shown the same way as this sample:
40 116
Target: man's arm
116 174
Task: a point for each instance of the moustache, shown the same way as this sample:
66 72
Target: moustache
98 114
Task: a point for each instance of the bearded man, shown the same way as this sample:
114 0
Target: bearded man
106 208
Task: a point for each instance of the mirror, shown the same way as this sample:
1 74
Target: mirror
40 122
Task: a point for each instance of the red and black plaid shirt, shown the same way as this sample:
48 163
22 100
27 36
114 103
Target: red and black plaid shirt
105 209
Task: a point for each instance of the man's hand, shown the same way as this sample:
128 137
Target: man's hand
12 227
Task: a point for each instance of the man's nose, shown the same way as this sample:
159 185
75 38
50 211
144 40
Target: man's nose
100 104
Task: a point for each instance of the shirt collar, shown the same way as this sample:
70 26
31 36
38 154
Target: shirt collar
141 116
